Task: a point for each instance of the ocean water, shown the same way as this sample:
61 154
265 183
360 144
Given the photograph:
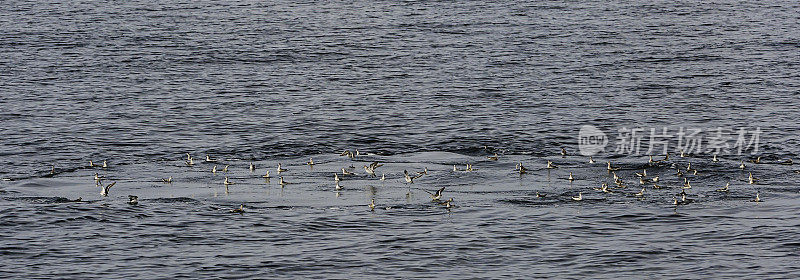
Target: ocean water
410 84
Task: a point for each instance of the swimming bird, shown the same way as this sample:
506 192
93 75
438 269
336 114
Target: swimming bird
494 157
640 193
383 177
570 177
97 177
266 175
757 160
410 179
725 188
225 169
521 169
167 180
105 164
563 152
370 169
133 200
655 179
538 195
550 165
751 179
227 182
741 166
338 187
642 181
214 170
578 198
656 186
715 159
686 184
448 204
666 158
282 182
591 160
643 174
469 168
310 161
252 167
280 169
786 162
345 172
683 154
239 210
104 190
189 160
91 164
336 177
372 205
758 198
609 167
436 195
208 159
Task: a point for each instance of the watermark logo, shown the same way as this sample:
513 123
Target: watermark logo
663 140
591 140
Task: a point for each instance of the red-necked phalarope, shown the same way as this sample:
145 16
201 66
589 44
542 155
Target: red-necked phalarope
225 169
725 188
282 182
591 160
751 179
608 166
741 166
133 200
371 205
570 177
167 180
715 159
578 198
758 198
410 179
310 161
550 165
469 168
266 175
521 169
436 195
104 190
238 210
494 157
227 182
252 167
208 159
370 169
280 169
563 152
347 173
214 170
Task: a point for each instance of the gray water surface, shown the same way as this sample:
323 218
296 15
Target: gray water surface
415 84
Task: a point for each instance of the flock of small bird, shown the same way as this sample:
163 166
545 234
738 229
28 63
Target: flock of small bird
436 196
